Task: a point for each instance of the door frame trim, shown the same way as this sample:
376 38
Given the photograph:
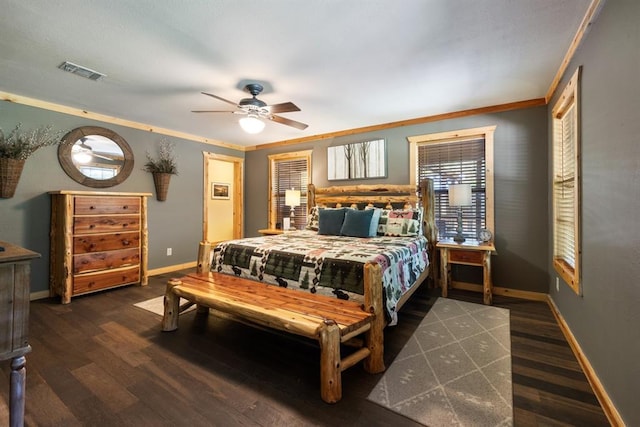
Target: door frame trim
237 192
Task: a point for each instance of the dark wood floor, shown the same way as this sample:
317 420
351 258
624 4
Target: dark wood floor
100 361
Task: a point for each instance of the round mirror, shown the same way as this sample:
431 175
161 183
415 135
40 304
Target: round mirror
95 156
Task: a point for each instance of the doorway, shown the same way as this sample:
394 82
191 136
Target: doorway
223 197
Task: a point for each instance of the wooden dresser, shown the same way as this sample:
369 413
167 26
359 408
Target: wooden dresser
98 241
15 268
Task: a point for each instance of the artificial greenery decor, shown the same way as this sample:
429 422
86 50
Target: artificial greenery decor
20 145
165 163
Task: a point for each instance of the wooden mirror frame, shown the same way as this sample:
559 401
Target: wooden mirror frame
64 156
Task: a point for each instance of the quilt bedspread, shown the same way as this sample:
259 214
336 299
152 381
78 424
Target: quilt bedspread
329 265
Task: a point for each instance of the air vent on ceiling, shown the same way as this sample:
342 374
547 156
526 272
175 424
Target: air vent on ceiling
81 71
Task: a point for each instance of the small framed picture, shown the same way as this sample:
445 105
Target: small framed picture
220 190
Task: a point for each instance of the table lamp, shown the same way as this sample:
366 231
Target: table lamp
292 199
459 196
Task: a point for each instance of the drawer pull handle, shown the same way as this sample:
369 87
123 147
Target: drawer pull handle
92 207
125 207
92 226
125 242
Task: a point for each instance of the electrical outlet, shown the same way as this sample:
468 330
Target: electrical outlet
557 284
169 251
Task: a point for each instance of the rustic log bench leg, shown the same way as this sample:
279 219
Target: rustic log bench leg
330 369
171 307
374 339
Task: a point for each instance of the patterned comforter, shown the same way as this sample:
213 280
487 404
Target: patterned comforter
328 265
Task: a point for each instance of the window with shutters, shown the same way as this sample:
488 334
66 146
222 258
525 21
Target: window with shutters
566 185
457 157
288 171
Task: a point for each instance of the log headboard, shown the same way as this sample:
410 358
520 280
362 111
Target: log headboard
421 196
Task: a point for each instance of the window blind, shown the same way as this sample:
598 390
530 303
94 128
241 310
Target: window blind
287 174
564 187
456 162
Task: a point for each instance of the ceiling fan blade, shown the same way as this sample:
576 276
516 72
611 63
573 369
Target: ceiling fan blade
285 107
221 99
220 111
113 159
212 111
288 122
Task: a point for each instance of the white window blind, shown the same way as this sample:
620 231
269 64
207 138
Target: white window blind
566 247
287 174
456 162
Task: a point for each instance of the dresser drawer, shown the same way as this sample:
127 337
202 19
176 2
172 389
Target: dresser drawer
467 257
106 224
105 260
106 205
95 281
105 242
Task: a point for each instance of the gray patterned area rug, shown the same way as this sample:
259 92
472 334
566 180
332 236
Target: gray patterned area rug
455 370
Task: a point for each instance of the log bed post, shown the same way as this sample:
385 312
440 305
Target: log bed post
430 229
204 257
311 197
374 337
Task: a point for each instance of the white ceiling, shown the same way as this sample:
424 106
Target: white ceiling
346 64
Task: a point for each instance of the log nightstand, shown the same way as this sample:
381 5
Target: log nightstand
270 231
469 252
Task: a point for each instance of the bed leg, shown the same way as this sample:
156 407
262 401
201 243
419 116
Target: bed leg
202 309
171 307
330 369
374 339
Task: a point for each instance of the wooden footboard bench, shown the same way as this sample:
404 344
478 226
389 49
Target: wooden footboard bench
330 321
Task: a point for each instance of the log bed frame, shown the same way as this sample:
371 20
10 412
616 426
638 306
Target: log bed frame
328 320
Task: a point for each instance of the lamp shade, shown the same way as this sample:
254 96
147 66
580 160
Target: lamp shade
459 194
251 124
292 198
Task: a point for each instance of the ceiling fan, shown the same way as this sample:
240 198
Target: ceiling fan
82 152
256 109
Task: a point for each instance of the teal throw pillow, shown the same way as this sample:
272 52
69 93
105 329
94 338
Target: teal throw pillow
357 223
330 221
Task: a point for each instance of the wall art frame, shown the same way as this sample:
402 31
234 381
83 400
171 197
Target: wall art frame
357 160
220 190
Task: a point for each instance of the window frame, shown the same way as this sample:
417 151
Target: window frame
486 133
283 157
567 103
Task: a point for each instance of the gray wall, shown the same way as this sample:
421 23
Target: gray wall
606 319
521 212
175 223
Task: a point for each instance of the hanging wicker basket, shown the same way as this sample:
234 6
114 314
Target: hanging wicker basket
10 171
161 181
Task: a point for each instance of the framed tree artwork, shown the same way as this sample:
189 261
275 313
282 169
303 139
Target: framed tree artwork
359 160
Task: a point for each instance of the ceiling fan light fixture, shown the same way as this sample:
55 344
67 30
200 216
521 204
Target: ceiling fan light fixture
82 157
251 124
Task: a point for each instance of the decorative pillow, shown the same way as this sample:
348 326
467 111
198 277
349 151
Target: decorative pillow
382 222
375 220
312 219
330 221
357 223
404 223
